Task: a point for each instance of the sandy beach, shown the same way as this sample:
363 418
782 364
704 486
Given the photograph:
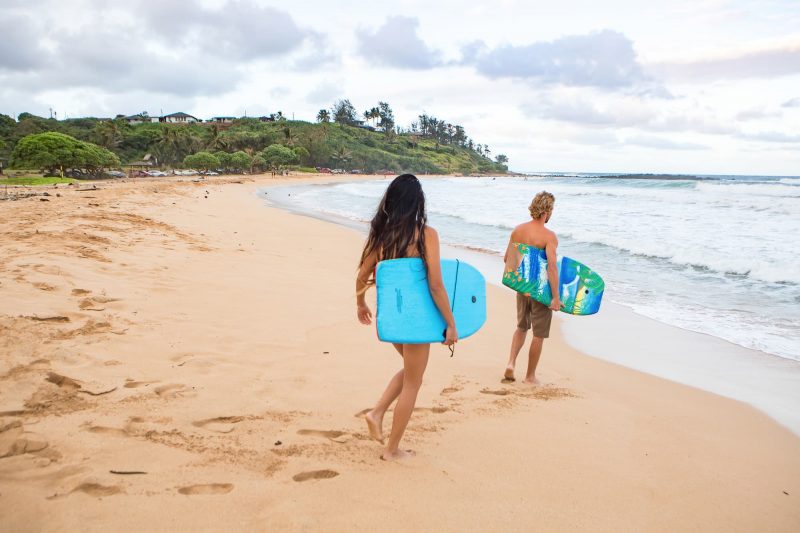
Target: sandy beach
175 355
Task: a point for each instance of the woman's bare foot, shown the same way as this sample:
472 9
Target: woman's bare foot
375 425
509 374
398 455
535 382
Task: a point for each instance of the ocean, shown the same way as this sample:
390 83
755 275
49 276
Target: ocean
711 254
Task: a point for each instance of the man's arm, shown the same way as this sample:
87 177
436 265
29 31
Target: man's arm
552 271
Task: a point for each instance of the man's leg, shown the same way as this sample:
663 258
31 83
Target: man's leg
533 359
517 340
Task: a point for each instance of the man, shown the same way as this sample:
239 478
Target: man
530 313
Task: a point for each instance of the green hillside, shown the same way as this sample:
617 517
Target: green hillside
440 149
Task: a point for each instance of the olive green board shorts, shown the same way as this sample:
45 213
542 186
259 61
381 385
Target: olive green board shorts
533 315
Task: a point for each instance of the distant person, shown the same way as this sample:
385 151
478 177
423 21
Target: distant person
530 313
399 229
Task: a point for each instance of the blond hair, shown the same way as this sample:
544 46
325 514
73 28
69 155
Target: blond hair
542 204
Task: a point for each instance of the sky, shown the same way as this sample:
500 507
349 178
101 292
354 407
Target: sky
698 87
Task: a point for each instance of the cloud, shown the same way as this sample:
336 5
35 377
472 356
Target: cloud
325 93
604 59
580 111
659 143
764 63
19 48
756 113
794 102
396 44
167 47
589 109
236 30
771 136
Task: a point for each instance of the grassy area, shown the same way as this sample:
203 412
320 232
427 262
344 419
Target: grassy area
34 180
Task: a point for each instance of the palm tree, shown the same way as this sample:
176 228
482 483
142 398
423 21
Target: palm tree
341 155
109 134
323 116
289 136
216 141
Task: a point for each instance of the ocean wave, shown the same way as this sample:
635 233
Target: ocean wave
789 181
744 264
758 188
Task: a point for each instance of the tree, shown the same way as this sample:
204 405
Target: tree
224 159
202 160
323 116
56 151
301 153
278 156
341 156
386 117
501 158
240 161
7 125
344 113
108 134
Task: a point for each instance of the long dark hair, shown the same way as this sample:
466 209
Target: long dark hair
399 221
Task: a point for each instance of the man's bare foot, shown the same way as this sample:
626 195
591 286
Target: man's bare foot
375 426
509 374
398 455
535 382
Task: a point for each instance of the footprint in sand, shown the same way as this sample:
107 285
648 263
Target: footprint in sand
92 489
15 441
63 382
211 488
450 390
437 410
80 292
498 392
132 384
315 474
220 424
174 390
335 436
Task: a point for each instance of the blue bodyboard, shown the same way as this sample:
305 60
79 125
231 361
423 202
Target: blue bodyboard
406 312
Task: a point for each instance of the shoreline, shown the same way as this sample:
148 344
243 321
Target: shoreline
769 382
189 333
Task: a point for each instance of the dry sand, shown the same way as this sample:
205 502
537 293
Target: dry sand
175 356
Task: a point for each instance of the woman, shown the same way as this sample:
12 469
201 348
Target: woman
398 230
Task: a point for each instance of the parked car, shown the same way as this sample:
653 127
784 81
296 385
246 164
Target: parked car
210 173
337 171
323 170
188 172
116 174
355 171
156 173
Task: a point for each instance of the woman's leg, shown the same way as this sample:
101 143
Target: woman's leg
415 359
375 417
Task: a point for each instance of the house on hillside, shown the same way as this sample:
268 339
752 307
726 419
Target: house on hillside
179 118
267 118
139 118
222 120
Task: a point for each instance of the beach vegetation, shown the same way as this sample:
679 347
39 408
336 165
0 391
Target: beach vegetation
278 157
56 153
340 139
240 161
202 161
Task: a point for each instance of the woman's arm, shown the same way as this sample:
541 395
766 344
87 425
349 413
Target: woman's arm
436 285
363 311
